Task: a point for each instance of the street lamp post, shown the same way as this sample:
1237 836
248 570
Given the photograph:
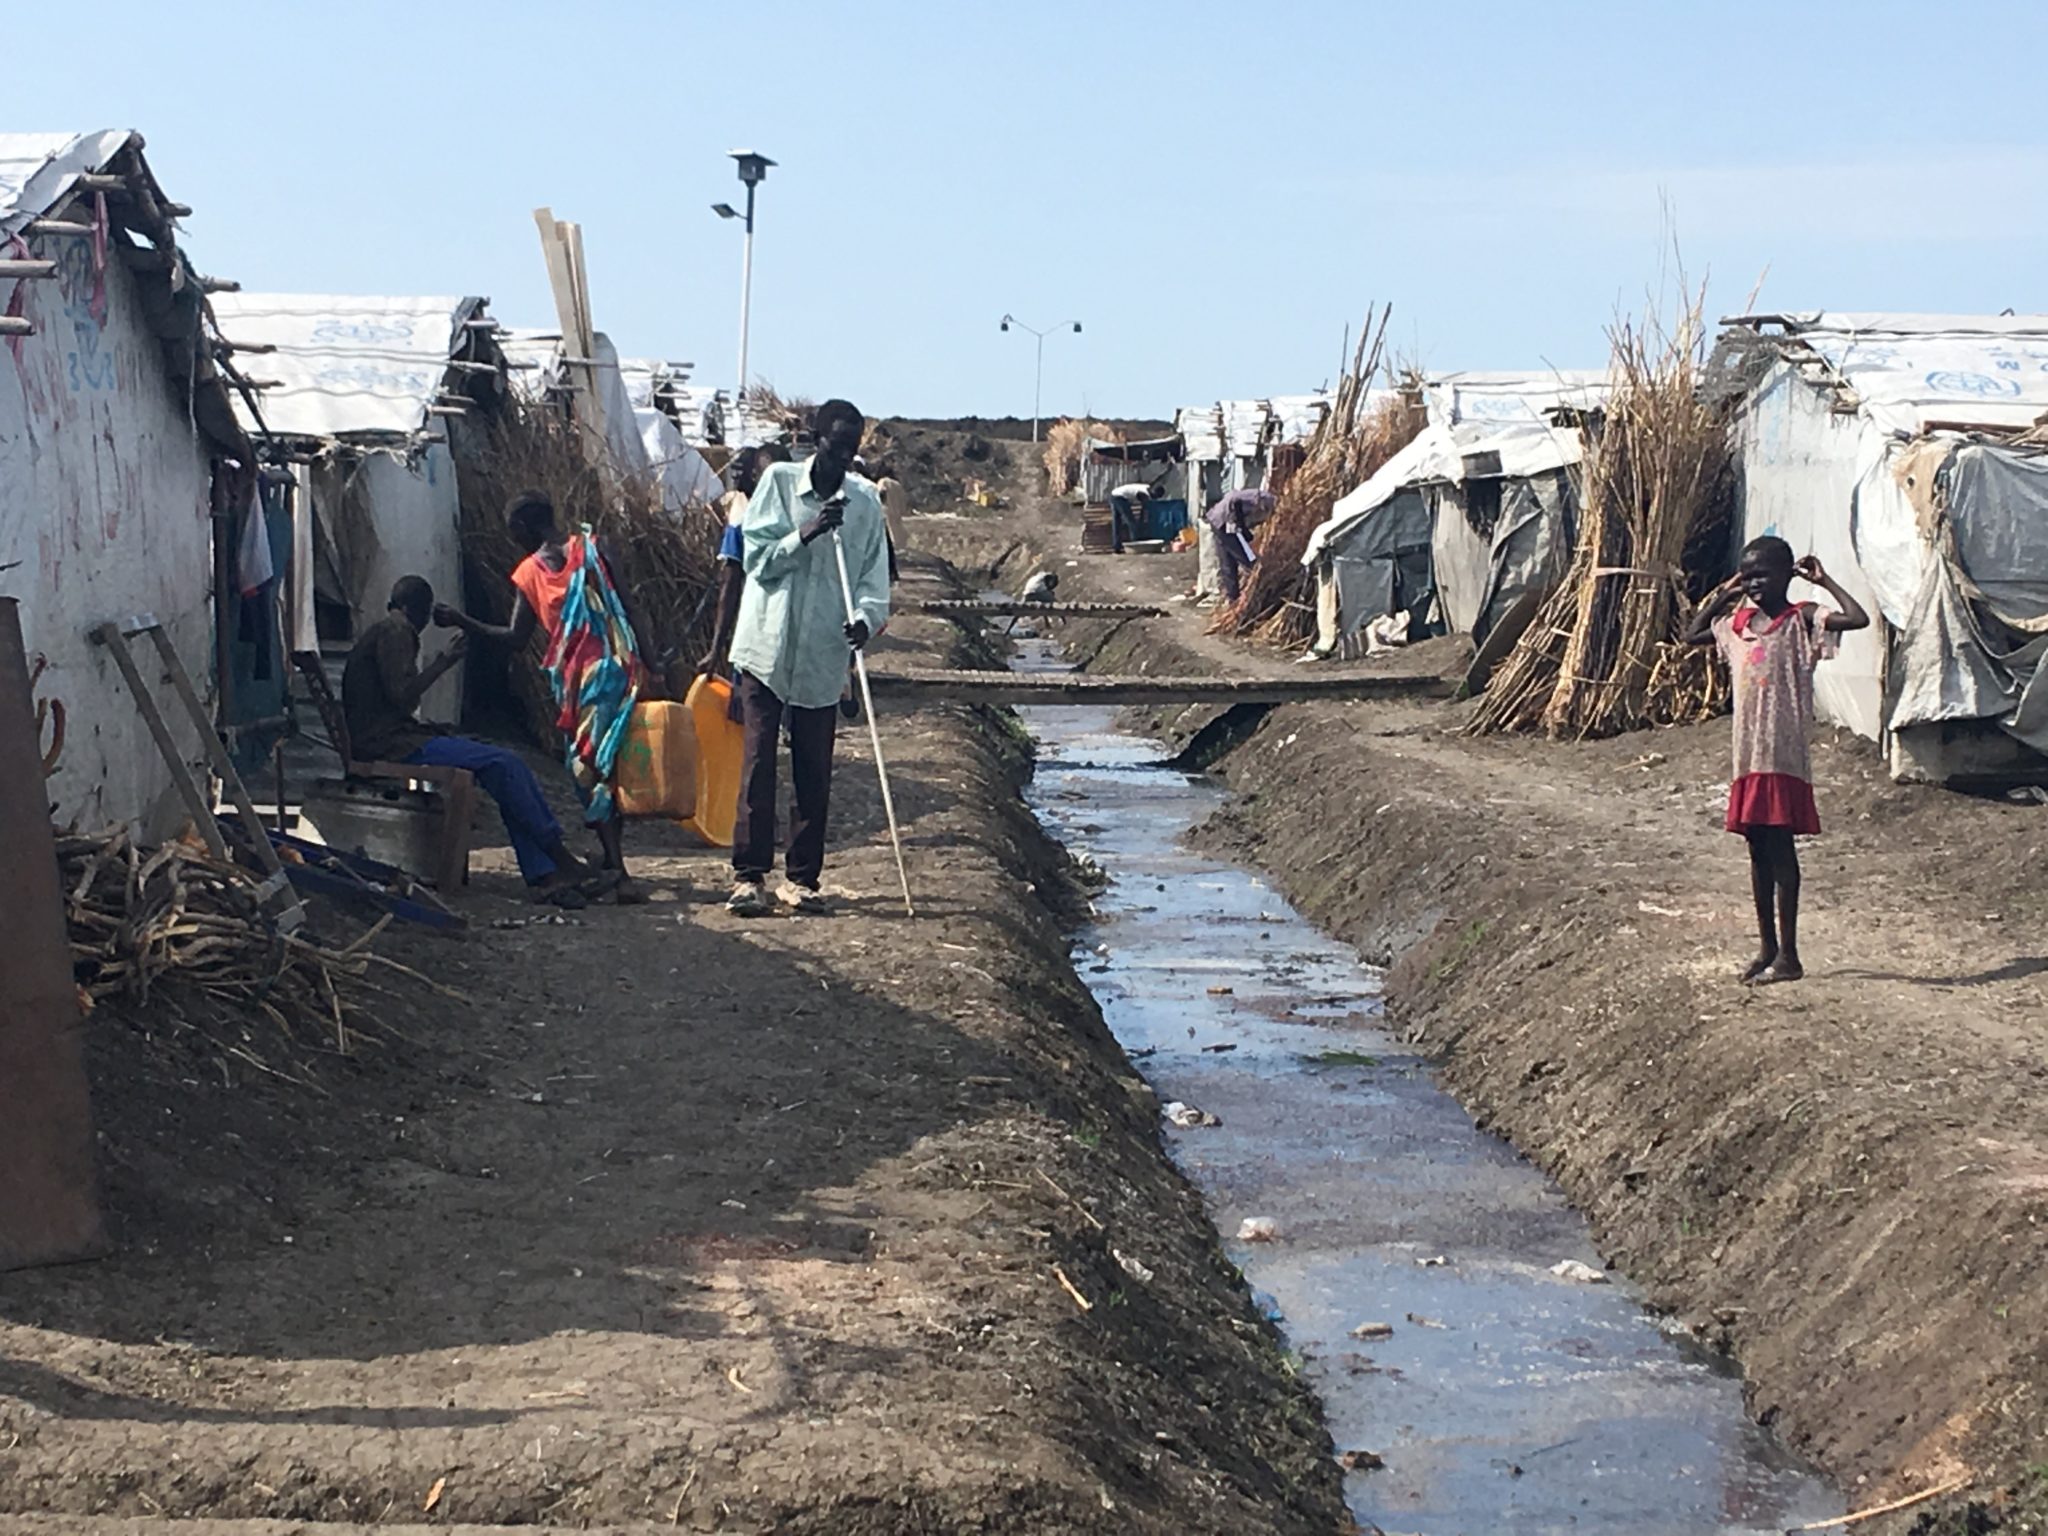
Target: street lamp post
1038 374
753 171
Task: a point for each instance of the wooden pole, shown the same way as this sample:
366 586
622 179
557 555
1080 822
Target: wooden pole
867 704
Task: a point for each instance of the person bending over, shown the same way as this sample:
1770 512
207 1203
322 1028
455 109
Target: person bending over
381 688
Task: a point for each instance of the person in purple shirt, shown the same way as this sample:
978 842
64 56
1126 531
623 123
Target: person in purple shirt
1231 522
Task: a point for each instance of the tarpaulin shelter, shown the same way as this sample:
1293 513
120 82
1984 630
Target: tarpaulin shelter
1898 449
361 392
1154 462
124 472
645 407
1473 517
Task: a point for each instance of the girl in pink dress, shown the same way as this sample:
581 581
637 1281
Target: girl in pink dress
1771 645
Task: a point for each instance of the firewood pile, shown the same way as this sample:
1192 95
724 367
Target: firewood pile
1360 433
175 929
1604 654
668 563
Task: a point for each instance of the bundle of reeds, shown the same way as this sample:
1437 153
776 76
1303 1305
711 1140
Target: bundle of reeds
1063 444
769 413
174 928
667 561
1350 443
1597 659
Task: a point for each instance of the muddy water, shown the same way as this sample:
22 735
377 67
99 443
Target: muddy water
1411 1271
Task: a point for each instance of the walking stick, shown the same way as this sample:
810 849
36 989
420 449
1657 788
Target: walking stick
867 704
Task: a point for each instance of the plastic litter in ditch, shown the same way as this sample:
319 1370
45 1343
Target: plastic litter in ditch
1444 1300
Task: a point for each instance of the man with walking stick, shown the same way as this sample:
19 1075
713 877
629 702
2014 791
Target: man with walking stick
817 588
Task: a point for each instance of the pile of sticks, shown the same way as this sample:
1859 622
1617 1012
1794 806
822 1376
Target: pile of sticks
174 928
668 562
1357 436
1604 655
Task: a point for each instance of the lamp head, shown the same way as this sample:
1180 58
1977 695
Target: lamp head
1077 327
753 168
725 210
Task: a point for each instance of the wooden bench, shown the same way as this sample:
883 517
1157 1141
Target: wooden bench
448 795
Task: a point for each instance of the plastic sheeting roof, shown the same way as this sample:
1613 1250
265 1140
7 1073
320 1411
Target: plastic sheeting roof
37 169
1912 370
1296 417
347 366
1522 398
1498 414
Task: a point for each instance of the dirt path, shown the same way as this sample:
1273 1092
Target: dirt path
1846 1180
735 1226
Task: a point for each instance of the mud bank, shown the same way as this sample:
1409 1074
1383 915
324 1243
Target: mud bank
794 1225
1843 1183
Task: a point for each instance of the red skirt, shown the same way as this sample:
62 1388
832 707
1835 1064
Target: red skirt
1760 800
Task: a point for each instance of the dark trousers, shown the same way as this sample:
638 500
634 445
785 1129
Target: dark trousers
1230 564
530 826
810 772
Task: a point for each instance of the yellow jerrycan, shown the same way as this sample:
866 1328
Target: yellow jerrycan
657 768
710 704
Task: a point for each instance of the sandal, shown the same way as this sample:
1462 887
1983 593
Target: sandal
565 896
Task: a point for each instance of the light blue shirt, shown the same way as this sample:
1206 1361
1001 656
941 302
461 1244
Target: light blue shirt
792 614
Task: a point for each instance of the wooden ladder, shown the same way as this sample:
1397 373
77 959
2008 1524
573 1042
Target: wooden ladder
275 895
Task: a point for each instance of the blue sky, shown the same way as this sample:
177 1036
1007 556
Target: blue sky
1214 190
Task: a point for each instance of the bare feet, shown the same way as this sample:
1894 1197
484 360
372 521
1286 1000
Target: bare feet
557 892
1763 962
629 892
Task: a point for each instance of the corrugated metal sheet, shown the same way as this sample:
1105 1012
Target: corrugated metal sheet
1201 429
1244 426
38 169
348 366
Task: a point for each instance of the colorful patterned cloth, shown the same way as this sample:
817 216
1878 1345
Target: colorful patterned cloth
594 664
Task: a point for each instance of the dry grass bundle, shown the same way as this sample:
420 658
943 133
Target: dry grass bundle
1597 661
175 929
667 562
1350 444
764 407
1063 441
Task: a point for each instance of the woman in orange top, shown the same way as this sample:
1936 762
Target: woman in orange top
565 590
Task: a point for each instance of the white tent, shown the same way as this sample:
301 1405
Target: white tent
114 424
1861 442
360 386
1477 511
644 406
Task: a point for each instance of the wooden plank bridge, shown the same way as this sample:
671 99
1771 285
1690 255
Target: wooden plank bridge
939 686
1018 608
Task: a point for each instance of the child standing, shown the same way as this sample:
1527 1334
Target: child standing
1771 645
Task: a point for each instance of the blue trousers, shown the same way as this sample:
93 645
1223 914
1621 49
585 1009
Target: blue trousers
529 824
